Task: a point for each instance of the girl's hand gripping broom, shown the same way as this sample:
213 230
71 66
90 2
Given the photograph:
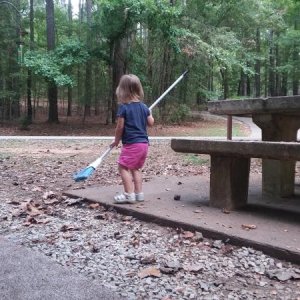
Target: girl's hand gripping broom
89 170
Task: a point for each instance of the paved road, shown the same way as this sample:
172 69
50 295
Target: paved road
255 134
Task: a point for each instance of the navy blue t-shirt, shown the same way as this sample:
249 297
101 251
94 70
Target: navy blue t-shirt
135 122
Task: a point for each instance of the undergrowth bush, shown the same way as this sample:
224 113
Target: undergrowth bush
178 114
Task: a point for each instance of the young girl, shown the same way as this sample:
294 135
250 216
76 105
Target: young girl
133 118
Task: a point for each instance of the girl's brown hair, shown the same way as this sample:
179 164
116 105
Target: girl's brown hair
129 88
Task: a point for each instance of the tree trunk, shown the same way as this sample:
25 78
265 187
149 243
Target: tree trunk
52 99
210 82
242 90
97 89
296 63
272 83
277 73
165 78
225 81
52 88
257 64
70 90
284 84
119 66
12 84
88 70
29 74
112 91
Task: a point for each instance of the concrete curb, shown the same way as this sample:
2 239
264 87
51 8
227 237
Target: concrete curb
277 228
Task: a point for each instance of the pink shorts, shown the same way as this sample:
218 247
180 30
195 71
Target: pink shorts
133 156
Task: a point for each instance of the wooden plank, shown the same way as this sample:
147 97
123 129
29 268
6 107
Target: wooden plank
280 105
255 149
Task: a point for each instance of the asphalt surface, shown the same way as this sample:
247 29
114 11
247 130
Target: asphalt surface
28 275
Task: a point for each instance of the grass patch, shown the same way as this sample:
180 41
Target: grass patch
219 131
196 159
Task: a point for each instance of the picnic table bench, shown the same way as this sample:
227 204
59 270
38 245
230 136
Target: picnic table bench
279 120
230 164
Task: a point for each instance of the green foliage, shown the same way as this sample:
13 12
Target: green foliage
71 52
117 17
24 123
52 65
179 113
162 38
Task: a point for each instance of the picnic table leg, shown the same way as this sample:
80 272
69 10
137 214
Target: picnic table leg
229 181
278 177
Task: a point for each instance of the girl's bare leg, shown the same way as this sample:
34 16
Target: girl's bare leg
137 180
126 179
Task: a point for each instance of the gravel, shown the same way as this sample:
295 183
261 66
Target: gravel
136 259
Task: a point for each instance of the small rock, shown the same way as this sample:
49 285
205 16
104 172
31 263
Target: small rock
177 197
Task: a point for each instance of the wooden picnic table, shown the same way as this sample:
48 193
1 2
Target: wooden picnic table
279 120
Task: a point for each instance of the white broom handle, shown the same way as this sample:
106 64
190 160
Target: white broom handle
167 91
98 161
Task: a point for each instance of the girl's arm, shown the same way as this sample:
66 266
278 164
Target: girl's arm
150 120
118 132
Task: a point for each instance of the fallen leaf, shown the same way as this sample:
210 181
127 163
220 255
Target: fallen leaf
135 242
43 221
248 226
188 234
151 271
73 201
193 268
127 218
94 205
48 195
65 228
14 202
51 201
148 259
37 189
29 221
33 211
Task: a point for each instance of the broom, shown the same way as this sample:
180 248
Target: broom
89 170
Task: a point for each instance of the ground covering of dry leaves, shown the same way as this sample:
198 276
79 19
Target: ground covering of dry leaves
136 259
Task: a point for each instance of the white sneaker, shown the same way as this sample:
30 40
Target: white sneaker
124 198
139 197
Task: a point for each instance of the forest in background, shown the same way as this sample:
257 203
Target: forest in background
71 64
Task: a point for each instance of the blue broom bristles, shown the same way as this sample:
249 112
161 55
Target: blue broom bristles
84 174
